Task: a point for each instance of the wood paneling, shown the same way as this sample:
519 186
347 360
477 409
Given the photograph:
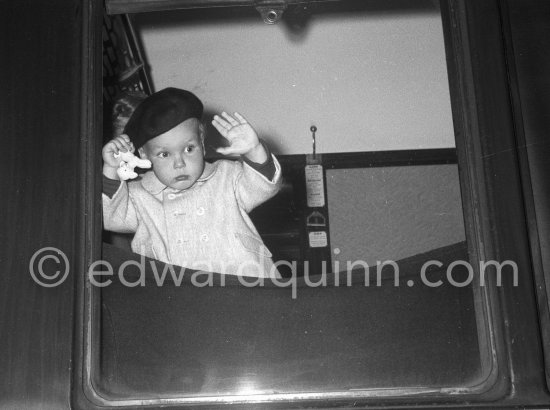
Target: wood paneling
140 6
526 27
40 133
491 177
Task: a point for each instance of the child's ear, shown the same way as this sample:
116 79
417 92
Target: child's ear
142 153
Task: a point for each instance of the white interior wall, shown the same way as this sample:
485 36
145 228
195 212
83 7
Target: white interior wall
368 83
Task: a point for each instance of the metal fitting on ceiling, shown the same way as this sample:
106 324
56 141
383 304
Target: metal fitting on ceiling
271 11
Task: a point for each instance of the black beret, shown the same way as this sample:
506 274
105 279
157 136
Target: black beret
160 112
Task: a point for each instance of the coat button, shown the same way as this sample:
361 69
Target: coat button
200 211
171 196
204 237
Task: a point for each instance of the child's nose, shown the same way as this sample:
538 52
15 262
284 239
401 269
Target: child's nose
179 162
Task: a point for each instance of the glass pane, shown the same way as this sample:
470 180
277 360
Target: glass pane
371 76
231 340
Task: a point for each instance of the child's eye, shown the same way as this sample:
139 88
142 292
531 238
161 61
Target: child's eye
189 149
162 154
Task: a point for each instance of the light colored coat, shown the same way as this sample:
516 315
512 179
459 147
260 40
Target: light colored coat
204 227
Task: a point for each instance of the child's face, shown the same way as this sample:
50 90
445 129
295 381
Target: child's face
177 155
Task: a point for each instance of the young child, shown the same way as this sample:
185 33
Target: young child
186 211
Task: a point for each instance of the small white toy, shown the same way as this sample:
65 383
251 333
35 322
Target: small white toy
128 161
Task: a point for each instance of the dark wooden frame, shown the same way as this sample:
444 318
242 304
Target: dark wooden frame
492 195
482 104
340 160
542 280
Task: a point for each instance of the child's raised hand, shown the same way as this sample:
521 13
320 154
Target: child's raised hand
242 138
110 163
120 143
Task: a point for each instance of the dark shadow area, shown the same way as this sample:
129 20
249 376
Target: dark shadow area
215 340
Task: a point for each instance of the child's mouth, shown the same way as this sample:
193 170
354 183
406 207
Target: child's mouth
182 178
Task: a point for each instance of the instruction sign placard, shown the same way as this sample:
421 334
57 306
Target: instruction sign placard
315 191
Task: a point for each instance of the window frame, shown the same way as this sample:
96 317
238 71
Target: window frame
478 192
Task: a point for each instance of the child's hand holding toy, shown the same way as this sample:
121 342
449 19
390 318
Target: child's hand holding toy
119 160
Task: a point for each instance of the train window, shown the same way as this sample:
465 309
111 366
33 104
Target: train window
381 298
